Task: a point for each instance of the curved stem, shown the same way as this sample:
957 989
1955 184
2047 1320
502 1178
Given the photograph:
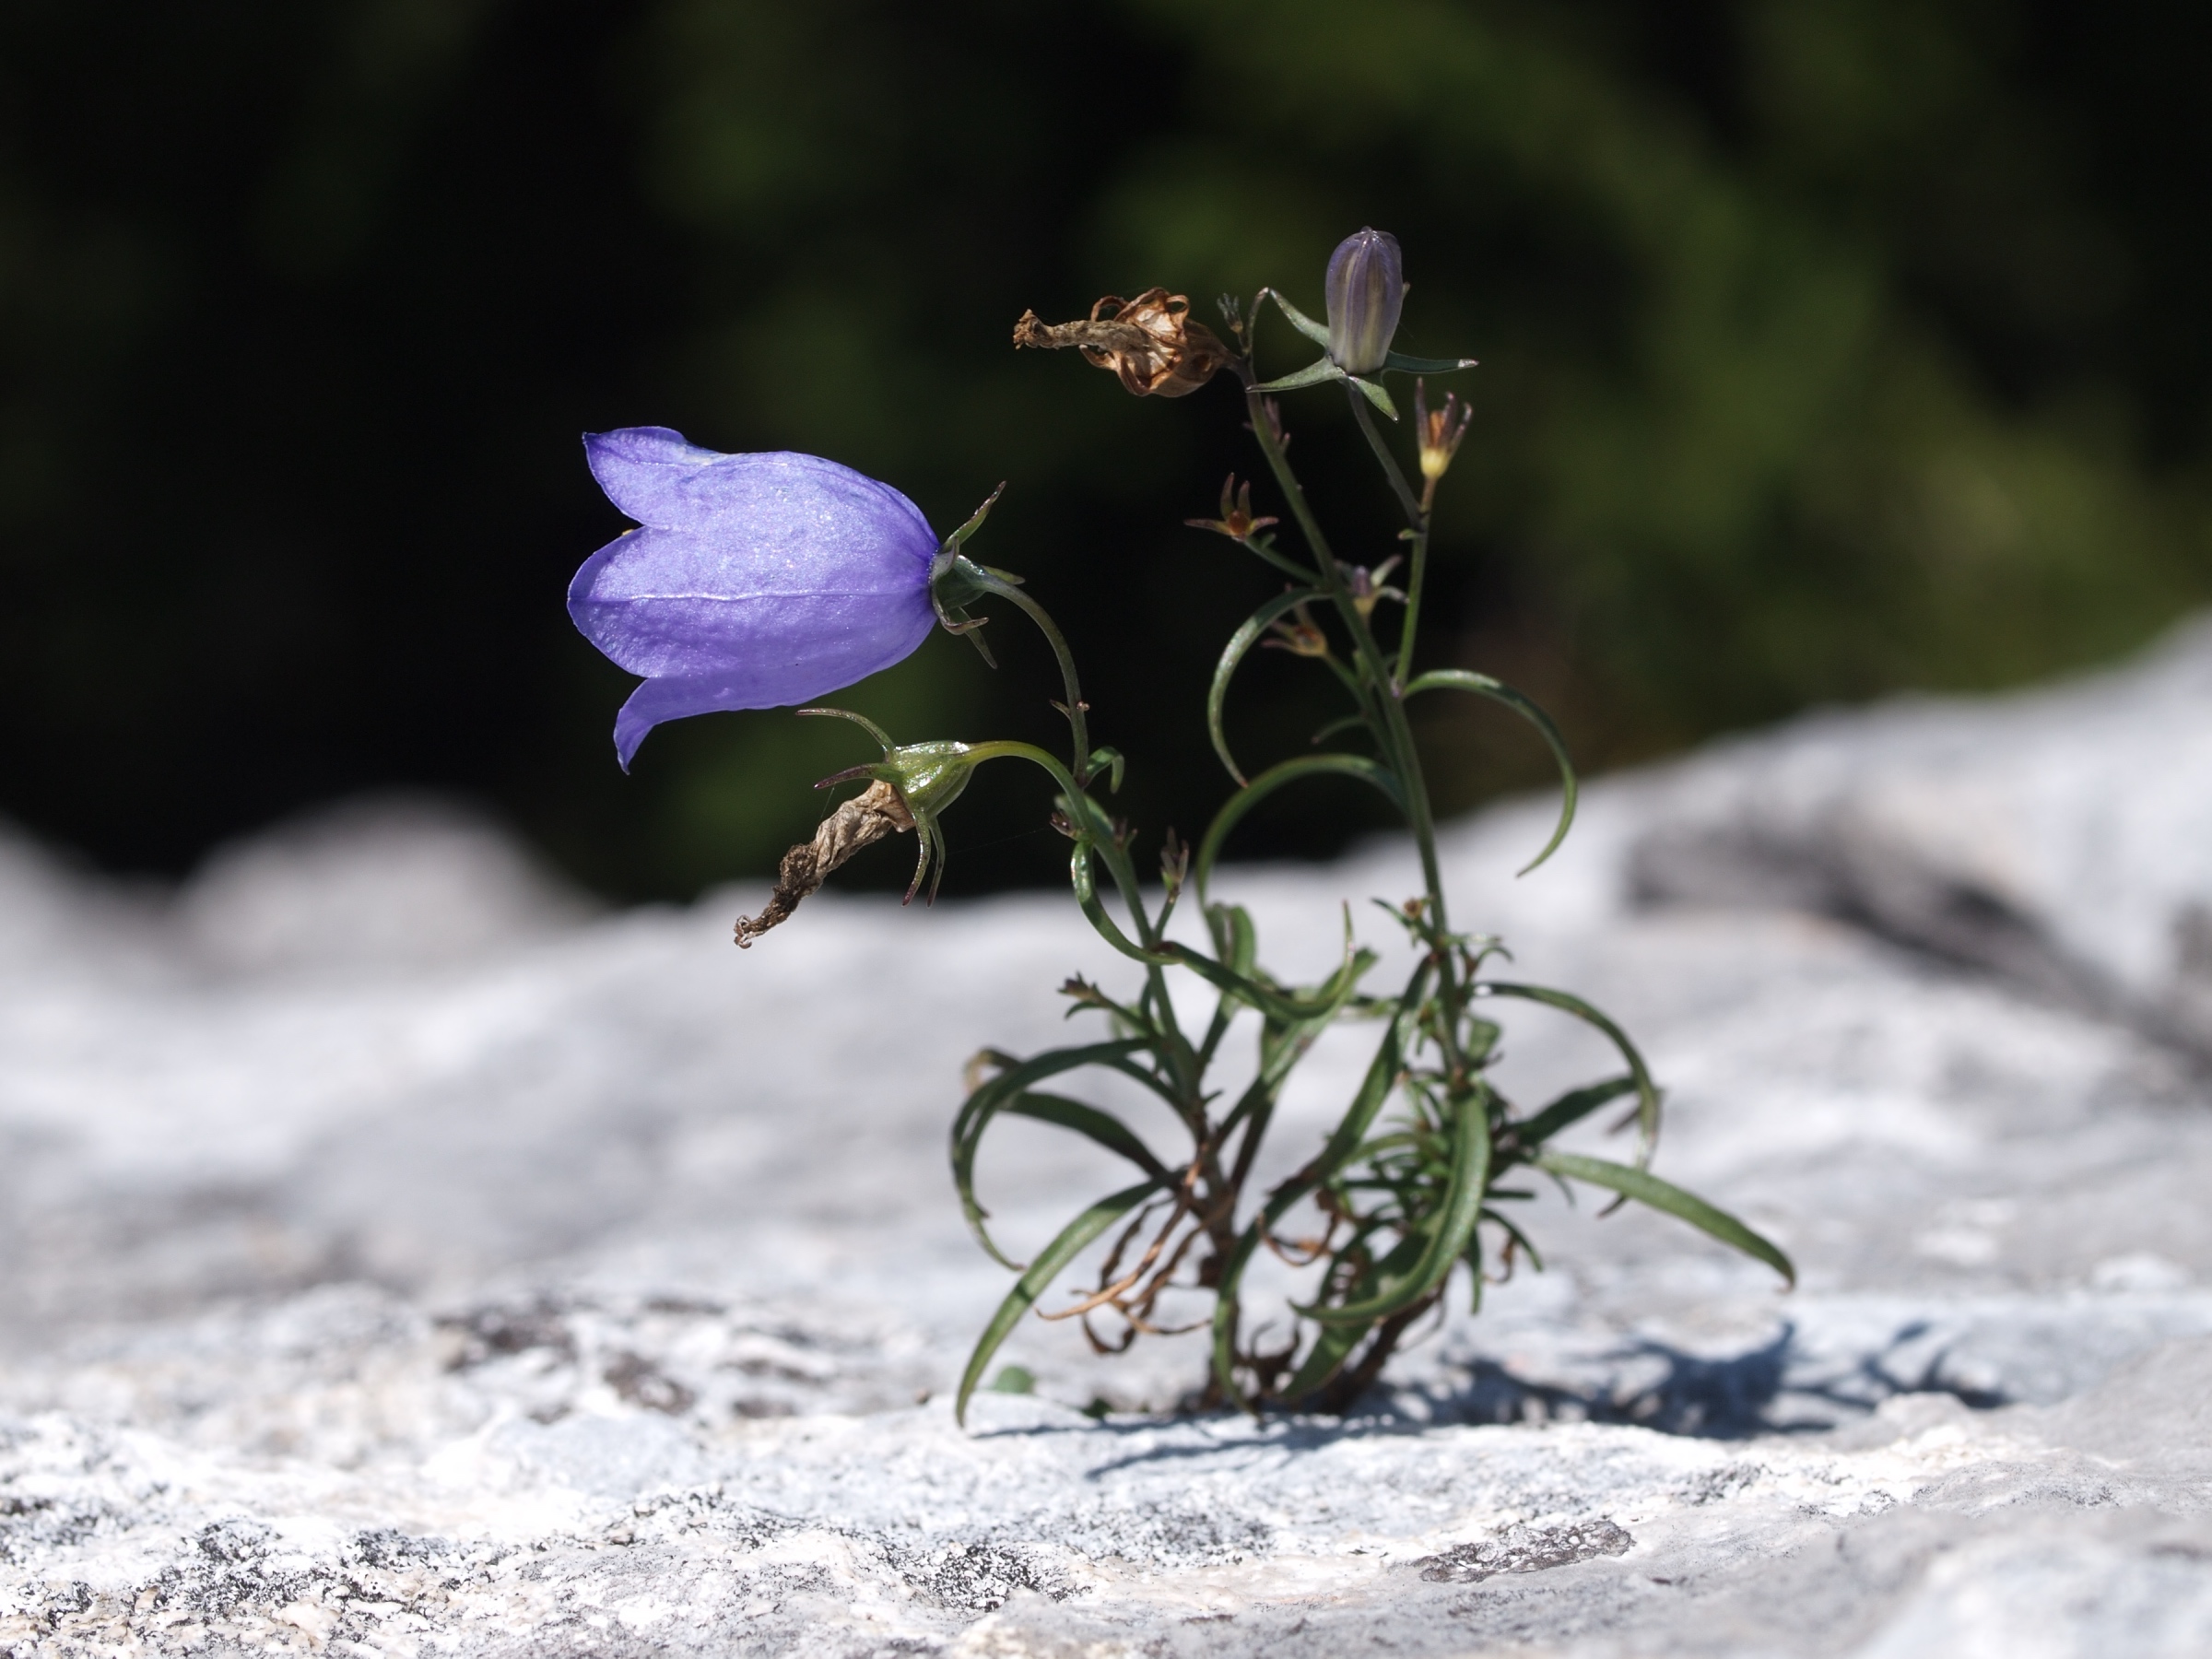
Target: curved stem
1094 827
1075 707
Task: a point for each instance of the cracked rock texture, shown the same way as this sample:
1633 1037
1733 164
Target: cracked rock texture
404 1258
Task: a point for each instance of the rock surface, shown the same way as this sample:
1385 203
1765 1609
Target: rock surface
402 1259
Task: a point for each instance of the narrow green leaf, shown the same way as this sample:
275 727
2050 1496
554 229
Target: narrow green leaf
1482 684
1313 374
1648 1189
992 1097
1038 1277
1232 653
1447 1233
1374 1089
1647 1091
1103 1127
1284 772
1531 1132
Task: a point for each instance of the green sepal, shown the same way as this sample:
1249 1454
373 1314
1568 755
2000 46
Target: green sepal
1375 395
975 520
1421 365
1482 684
1648 1189
1316 331
1038 1277
1313 375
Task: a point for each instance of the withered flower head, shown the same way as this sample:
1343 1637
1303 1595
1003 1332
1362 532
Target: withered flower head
1439 431
1237 520
1299 634
1149 341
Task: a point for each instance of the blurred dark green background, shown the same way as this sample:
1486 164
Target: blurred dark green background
1829 347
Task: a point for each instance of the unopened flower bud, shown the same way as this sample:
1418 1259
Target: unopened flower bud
1366 586
1366 291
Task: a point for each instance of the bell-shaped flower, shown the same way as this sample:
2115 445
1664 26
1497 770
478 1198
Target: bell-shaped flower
753 581
1366 291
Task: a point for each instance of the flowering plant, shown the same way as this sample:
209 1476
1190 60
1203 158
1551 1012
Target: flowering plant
763 579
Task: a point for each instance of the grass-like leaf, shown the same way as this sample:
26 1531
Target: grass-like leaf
1482 684
1572 1107
1240 643
1038 1277
993 1096
1648 1189
1647 1091
1276 777
1103 1127
1447 1233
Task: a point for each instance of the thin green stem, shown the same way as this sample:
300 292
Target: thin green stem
1416 575
1395 736
1094 827
1075 707
1391 468
1418 509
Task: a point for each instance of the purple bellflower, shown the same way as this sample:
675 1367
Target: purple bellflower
753 581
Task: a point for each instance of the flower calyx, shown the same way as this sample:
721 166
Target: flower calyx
956 581
1439 431
928 777
1237 520
1174 864
1299 634
1150 342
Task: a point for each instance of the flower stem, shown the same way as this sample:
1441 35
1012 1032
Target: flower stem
1417 509
1397 475
1393 736
1075 708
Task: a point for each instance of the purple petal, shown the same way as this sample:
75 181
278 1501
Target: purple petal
761 581
642 469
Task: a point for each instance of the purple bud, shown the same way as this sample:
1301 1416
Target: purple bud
755 581
1367 290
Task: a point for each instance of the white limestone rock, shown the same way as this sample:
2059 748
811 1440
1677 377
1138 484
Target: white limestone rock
511 1279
